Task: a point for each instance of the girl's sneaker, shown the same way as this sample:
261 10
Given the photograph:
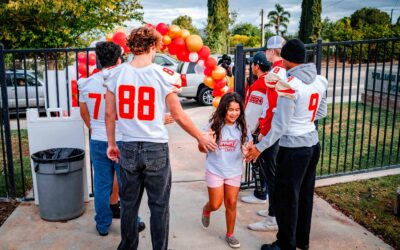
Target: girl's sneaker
232 241
205 219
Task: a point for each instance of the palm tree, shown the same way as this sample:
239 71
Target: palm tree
278 18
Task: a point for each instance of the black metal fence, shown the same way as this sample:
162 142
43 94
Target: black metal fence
361 132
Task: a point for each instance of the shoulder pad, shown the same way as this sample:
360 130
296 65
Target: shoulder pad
271 79
288 87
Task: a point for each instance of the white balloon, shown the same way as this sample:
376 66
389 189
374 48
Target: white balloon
201 63
199 69
193 57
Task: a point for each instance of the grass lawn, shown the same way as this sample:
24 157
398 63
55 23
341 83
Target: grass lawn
370 203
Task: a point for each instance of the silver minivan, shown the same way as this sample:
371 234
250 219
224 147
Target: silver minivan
25 89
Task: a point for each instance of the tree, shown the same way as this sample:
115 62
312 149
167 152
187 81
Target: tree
186 23
310 21
369 16
217 25
60 24
246 41
278 18
327 29
246 29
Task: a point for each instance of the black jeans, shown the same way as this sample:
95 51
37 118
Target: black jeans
267 161
145 165
261 188
294 190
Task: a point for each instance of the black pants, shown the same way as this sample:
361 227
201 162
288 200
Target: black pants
145 165
294 190
268 168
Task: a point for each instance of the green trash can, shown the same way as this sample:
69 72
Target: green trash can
59 177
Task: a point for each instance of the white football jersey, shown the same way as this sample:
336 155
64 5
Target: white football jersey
140 100
308 98
92 92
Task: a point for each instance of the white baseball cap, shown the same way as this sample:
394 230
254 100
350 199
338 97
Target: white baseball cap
275 42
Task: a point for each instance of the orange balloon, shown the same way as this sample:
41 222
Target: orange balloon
209 82
109 37
174 31
218 73
166 40
216 101
194 43
185 34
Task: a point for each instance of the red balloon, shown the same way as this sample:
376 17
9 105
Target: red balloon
183 55
210 63
82 69
163 47
204 52
208 71
162 28
171 49
179 43
82 57
149 25
217 92
92 59
119 38
219 84
126 49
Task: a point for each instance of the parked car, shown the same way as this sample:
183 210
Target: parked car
22 88
163 60
192 84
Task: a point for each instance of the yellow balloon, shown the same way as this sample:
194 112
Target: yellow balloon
185 34
166 40
216 101
218 73
174 31
194 43
109 37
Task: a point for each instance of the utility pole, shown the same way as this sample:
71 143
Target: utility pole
262 27
391 15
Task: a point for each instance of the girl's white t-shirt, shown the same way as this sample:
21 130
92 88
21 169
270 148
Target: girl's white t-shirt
227 160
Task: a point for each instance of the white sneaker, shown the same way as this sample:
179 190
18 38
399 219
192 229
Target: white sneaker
263 213
252 199
268 224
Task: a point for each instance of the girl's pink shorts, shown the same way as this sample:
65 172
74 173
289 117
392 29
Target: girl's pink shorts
214 180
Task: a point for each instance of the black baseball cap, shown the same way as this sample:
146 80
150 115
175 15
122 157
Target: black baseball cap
259 58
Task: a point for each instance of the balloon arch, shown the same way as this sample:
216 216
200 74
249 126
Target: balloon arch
176 42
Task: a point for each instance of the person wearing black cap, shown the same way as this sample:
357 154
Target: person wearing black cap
301 101
256 99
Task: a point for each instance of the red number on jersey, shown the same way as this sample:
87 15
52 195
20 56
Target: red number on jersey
126 98
276 70
313 105
146 99
97 101
168 71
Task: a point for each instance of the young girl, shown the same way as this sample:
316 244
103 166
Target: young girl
224 166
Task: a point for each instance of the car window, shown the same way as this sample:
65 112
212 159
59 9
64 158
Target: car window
9 80
190 69
159 60
28 80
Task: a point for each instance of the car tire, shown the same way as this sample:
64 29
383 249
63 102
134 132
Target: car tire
205 97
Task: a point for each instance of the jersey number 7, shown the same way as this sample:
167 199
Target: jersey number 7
127 101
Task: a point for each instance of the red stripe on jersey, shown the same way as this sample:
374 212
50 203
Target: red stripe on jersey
287 91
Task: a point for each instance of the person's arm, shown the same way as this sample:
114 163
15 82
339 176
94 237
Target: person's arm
111 111
85 114
254 109
187 124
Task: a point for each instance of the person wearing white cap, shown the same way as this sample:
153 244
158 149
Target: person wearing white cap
273 54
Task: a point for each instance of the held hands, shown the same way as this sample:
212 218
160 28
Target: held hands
168 119
245 148
207 141
113 153
252 154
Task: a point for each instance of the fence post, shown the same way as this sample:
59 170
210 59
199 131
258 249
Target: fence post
319 56
239 70
6 121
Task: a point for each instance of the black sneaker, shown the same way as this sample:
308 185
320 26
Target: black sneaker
141 226
101 233
116 212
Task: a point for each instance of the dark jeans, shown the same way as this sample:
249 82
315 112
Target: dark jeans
294 190
268 168
261 188
145 165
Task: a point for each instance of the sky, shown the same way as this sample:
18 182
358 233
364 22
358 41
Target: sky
156 11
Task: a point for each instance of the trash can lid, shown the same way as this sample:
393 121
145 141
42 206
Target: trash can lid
58 155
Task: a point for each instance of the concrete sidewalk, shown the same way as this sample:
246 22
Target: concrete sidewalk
330 229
